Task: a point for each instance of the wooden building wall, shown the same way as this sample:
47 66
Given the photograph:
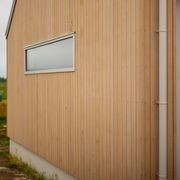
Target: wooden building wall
171 89
101 121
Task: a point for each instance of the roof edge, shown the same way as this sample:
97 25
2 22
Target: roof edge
10 18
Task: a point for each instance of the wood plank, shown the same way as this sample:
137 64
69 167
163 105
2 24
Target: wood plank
101 121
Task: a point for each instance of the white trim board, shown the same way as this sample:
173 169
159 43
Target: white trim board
43 43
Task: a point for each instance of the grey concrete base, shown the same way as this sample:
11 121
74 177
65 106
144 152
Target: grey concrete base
41 165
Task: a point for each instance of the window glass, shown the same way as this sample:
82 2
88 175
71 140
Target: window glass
53 56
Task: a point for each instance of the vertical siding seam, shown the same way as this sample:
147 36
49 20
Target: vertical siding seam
150 65
135 94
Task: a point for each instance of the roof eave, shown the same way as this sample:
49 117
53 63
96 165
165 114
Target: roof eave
10 18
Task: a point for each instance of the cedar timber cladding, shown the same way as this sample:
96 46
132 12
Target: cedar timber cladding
171 89
101 121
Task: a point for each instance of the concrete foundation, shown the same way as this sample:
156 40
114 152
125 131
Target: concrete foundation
41 165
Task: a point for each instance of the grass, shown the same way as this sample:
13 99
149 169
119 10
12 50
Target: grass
4 101
3 109
2 121
3 90
4 141
18 164
4 154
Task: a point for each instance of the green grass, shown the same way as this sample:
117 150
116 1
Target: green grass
18 164
2 121
4 154
4 101
4 141
3 90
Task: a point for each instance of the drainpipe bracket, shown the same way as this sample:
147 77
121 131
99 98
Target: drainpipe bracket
161 102
161 176
161 30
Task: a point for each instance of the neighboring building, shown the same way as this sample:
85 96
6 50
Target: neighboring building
86 99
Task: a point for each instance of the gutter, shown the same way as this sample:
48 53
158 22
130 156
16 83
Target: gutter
162 174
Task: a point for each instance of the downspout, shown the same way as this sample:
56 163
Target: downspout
162 90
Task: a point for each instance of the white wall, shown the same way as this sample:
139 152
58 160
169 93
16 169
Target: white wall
178 87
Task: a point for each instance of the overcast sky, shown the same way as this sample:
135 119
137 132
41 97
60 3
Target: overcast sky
5 6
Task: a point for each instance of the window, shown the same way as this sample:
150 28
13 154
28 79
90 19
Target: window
56 55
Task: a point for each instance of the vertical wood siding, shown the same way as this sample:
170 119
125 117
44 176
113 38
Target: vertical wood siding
171 88
101 121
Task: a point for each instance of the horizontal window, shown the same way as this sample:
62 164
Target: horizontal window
51 56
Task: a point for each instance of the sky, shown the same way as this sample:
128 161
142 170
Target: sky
5 7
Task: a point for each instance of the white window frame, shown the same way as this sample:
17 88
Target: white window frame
39 44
